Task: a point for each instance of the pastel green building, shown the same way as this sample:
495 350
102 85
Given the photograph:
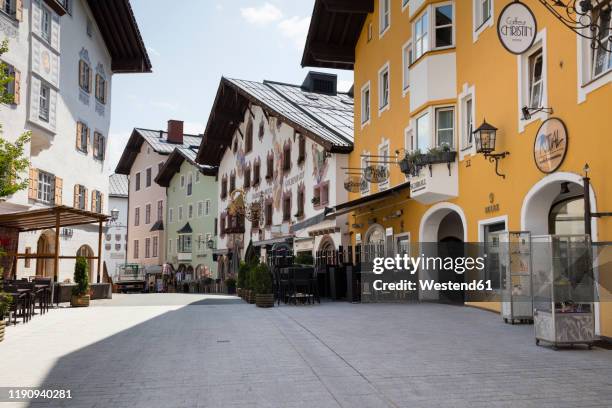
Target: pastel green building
191 194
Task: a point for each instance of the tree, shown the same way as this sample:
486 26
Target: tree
13 165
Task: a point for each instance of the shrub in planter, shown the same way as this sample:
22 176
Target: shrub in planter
242 277
80 293
5 303
263 286
230 283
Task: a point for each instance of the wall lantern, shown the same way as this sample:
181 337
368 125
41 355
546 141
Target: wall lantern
114 214
485 137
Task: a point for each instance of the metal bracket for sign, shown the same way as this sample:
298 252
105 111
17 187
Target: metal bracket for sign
431 169
496 157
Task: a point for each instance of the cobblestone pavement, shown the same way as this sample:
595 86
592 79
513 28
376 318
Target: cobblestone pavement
173 350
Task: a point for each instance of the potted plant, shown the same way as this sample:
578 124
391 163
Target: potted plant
5 304
80 293
433 155
241 281
447 155
251 284
230 283
263 286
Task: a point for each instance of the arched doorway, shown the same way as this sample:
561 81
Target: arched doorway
443 232
86 252
251 255
45 245
374 243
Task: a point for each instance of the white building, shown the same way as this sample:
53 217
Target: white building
64 54
286 145
115 238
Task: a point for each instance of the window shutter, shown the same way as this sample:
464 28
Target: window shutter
94 200
19 10
75 199
102 147
55 32
101 203
59 185
79 128
16 98
33 184
87 141
90 75
85 200
81 84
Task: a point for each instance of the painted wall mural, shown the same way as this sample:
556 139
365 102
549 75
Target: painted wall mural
319 161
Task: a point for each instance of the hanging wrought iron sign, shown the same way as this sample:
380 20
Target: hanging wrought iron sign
376 174
589 19
550 145
517 27
355 184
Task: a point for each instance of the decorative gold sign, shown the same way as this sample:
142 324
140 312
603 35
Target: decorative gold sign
550 145
376 174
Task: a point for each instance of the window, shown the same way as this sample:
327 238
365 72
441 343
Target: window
98 146
247 176
491 247
383 88
9 8
160 210
137 184
184 243
406 61
189 184
365 103
256 172
301 149
45 24
325 193
300 202
467 122
136 216
136 254
117 247
197 177
200 208
232 182
84 76
117 237
80 200
404 4
169 245
385 15
270 167
148 177
248 137
190 211
147 214
536 82
445 125
365 187
82 137
423 133
383 152
287 207
43 109
108 237
170 214
147 247
482 12
100 89
207 207
12 86
268 213
602 59
421 35
46 187
180 213
155 245
287 157
96 201
224 187
443 25
182 181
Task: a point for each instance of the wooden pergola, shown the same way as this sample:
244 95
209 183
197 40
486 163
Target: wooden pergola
54 218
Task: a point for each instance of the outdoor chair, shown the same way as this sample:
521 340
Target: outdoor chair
20 303
301 282
46 285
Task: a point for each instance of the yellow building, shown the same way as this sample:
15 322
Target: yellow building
426 74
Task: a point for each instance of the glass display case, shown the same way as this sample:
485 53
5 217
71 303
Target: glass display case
564 289
514 259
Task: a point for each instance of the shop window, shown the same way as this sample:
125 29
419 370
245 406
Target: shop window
385 15
383 88
443 20
445 127
567 217
421 35
365 104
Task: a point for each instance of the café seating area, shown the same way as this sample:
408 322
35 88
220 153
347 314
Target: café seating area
30 297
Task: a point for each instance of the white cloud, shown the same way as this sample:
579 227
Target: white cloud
295 29
164 105
263 15
344 85
193 128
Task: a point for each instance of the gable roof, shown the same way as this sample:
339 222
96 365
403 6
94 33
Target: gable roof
173 163
157 139
117 185
327 119
334 29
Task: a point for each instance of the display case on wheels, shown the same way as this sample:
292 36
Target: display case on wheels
564 290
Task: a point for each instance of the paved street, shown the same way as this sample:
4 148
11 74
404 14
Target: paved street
173 350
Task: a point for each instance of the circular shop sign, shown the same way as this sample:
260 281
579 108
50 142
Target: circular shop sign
517 27
355 184
376 174
550 145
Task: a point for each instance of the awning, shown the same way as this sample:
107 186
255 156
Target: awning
158 226
272 241
369 199
310 221
185 230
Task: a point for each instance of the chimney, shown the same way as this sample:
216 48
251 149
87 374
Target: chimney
175 131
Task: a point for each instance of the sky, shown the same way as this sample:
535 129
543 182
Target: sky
192 46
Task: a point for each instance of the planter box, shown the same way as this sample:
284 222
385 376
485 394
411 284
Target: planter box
2 327
251 298
266 300
79 301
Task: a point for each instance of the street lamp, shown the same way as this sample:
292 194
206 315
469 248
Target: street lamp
485 138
